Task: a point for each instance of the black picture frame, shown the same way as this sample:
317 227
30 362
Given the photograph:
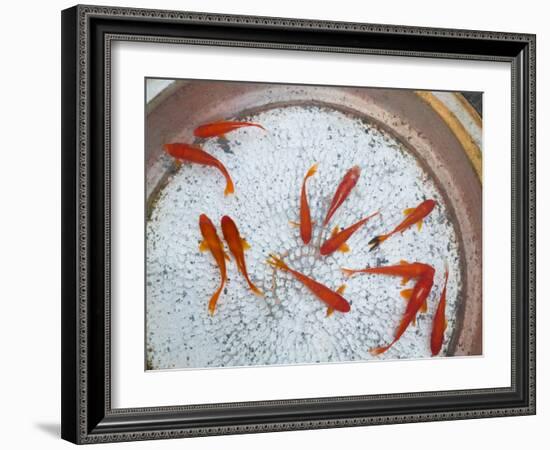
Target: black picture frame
87 33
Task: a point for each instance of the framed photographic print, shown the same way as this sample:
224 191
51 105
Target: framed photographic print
282 224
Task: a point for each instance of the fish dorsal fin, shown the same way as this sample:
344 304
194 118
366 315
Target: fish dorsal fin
419 225
405 280
424 307
341 289
203 246
344 248
293 223
330 310
408 211
335 231
406 294
414 321
246 245
446 323
312 170
403 262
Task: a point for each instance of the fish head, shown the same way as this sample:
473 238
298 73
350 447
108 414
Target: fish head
429 272
169 148
204 221
227 222
430 204
354 172
229 228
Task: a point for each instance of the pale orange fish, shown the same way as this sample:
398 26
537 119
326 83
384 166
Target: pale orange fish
195 154
211 241
305 215
406 270
414 216
237 245
338 239
342 191
333 299
222 127
417 298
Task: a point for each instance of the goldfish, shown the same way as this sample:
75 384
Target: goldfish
237 245
221 127
439 324
211 241
195 154
406 270
305 216
417 299
333 299
413 216
338 239
342 191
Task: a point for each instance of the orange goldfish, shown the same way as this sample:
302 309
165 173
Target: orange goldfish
417 299
404 269
221 127
195 154
338 239
212 242
344 188
305 216
414 215
237 245
439 321
333 299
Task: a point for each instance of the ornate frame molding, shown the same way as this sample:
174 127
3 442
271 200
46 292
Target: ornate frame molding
83 421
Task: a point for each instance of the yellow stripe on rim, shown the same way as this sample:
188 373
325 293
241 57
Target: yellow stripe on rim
469 108
470 147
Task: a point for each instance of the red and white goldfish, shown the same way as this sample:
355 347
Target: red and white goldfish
406 270
338 239
221 127
417 299
333 299
439 324
237 245
211 241
305 215
414 216
195 154
342 191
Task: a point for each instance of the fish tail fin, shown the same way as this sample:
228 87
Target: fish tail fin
257 125
312 170
252 287
256 290
214 300
229 187
379 350
347 272
366 219
276 262
375 242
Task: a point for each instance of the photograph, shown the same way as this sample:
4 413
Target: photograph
304 224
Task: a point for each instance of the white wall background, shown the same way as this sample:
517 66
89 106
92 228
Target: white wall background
30 225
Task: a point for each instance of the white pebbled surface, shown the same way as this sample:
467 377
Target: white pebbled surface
289 326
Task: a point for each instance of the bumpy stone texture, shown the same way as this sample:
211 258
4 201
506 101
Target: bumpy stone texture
289 325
